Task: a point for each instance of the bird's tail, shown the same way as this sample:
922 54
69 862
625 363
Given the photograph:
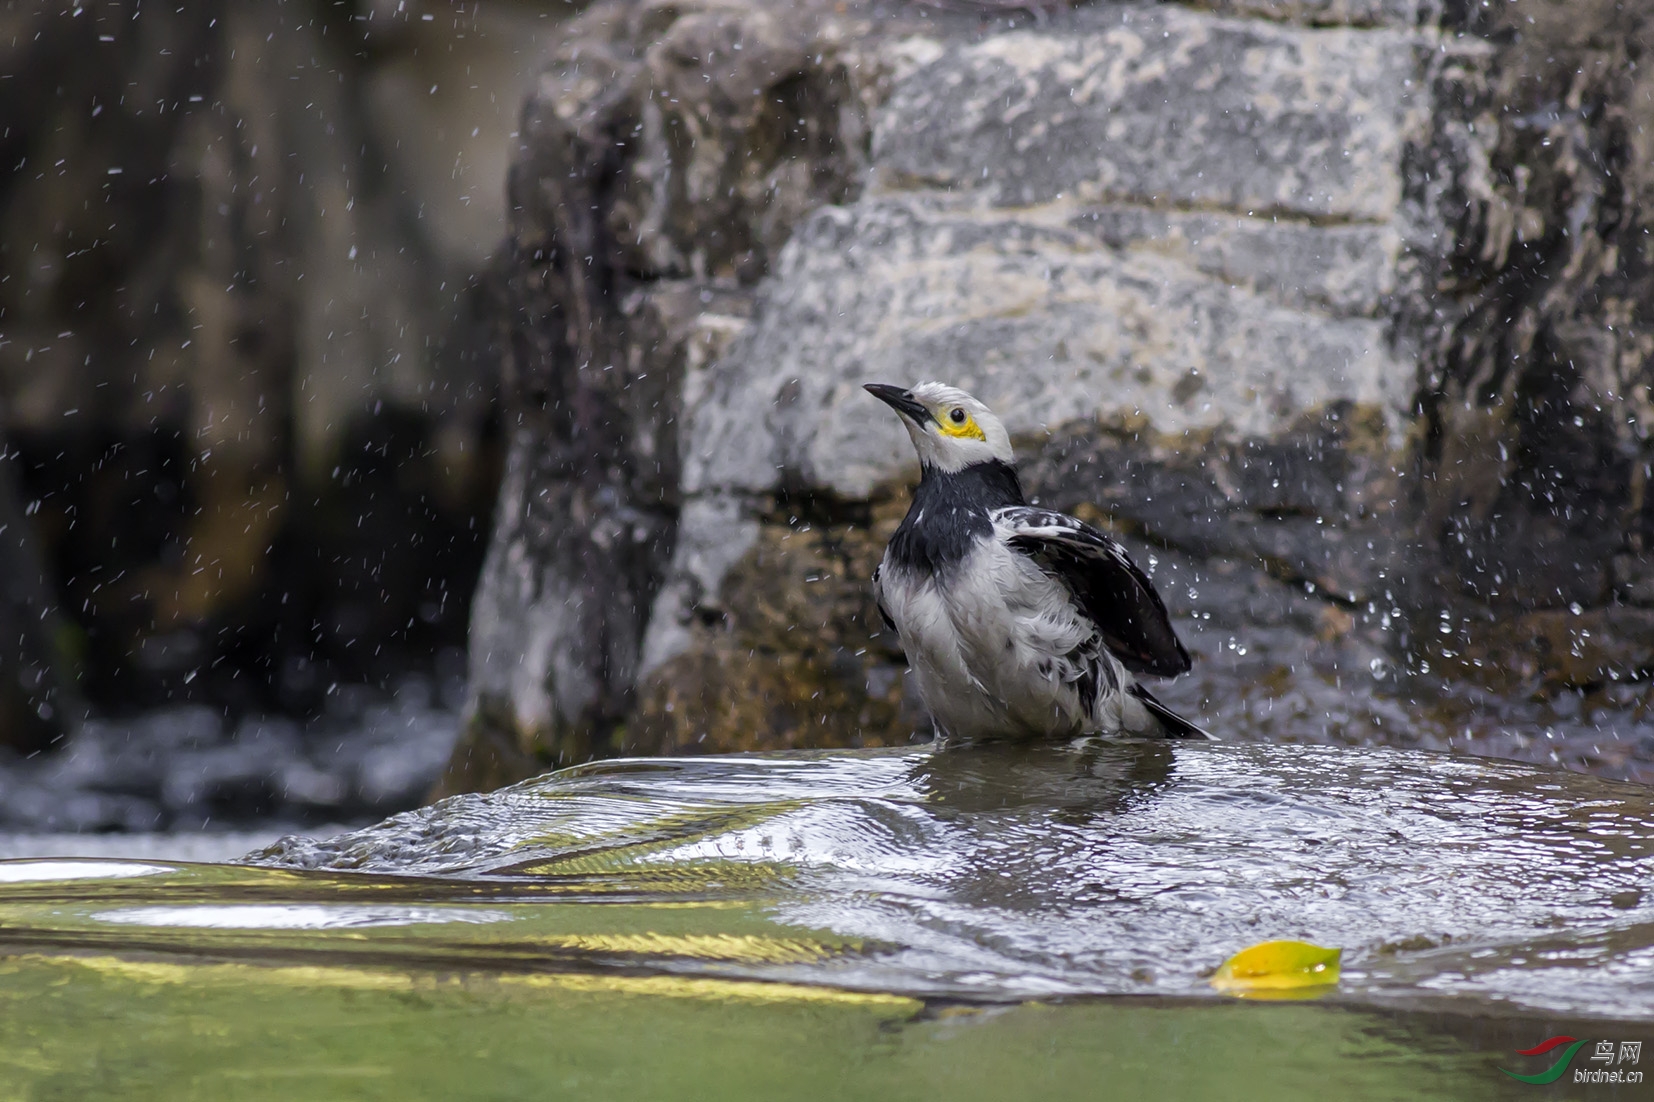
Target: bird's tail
1172 725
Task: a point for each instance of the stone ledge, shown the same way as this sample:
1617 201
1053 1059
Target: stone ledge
899 289
1163 106
1342 270
1331 13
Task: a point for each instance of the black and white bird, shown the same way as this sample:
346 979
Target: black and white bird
1018 622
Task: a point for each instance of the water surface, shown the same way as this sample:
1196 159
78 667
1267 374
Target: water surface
876 923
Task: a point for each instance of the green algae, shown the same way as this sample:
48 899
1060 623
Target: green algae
139 1028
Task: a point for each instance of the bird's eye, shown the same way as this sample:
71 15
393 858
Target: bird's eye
957 416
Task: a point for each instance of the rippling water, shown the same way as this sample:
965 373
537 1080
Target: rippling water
1112 868
1483 890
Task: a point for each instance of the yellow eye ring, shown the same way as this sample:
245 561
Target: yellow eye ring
961 425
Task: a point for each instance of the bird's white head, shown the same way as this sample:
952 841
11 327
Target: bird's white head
950 429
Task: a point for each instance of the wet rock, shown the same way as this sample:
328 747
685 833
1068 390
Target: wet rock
1117 335
1160 106
1062 241
1563 648
1186 389
1231 272
1533 449
1359 13
789 654
667 154
1344 269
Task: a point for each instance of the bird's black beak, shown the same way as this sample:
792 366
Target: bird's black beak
900 400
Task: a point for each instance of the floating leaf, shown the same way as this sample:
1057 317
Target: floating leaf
1279 969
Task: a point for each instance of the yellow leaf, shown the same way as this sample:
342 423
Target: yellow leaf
1278 969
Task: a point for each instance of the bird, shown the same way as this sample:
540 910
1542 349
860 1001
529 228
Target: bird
1018 622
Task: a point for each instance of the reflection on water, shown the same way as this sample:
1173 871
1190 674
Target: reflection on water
292 916
24 872
1474 900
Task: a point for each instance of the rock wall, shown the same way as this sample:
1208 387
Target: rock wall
1535 414
1224 270
668 153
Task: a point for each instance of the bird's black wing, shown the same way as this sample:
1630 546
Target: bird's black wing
1110 589
878 599
1172 725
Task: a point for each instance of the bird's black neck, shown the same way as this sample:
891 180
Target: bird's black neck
990 485
950 513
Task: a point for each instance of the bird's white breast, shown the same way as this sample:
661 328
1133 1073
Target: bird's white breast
988 640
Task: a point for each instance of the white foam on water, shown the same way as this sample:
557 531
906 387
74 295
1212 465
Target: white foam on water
298 916
29 872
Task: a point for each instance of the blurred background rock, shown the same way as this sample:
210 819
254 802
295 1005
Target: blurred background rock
247 395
